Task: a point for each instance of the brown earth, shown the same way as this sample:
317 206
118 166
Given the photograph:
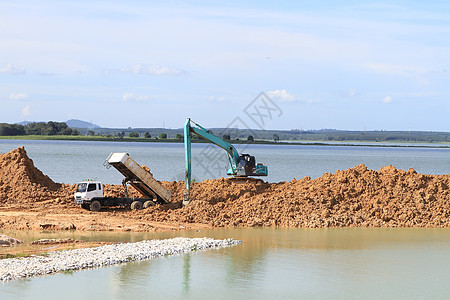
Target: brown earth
29 249
356 197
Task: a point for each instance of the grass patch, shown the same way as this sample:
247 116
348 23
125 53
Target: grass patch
67 272
315 140
21 254
16 255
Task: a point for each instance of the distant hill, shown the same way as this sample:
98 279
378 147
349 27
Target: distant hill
24 123
73 123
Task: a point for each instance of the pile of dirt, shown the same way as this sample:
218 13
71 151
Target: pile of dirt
21 181
357 197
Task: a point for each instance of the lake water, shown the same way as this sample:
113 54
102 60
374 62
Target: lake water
347 263
73 161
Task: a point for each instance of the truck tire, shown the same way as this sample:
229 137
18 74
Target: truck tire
149 203
95 206
137 205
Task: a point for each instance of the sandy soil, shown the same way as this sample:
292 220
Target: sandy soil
357 197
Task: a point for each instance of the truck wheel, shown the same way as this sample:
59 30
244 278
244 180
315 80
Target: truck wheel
149 203
95 205
137 205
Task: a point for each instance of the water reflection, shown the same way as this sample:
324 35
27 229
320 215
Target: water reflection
186 272
270 263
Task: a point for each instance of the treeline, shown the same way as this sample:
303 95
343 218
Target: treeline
371 136
231 134
37 128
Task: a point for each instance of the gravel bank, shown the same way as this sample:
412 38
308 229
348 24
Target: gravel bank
15 268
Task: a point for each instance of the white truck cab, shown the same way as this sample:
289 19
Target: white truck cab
86 190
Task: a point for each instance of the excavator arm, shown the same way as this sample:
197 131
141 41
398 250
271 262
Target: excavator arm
241 165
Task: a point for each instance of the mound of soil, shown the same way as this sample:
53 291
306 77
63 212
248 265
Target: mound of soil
21 181
357 197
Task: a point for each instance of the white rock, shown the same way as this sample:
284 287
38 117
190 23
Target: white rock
14 268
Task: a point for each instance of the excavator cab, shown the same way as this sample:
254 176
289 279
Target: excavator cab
246 165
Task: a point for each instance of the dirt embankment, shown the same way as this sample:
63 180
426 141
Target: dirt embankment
356 197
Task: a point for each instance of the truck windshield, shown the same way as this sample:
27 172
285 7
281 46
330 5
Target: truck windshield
81 187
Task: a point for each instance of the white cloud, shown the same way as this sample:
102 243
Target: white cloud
281 95
26 111
18 96
284 96
151 70
12 69
387 99
216 98
129 97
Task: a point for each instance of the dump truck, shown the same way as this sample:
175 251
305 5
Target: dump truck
89 194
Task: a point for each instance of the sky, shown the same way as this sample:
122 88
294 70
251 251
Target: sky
349 65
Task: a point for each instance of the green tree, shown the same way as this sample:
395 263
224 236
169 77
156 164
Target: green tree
47 130
91 133
226 137
276 137
75 132
50 128
121 134
67 131
179 136
53 128
147 135
163 136
250 138
34 128
133 134
11 129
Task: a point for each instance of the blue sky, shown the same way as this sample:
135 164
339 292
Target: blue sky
357 65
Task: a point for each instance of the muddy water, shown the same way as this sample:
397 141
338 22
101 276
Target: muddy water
369 263
70 162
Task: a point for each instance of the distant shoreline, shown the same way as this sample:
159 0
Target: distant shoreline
392 144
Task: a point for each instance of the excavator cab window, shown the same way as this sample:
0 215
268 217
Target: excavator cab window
247 162
242 162
250 165
251 161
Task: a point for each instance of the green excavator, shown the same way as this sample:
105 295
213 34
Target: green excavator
241 165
